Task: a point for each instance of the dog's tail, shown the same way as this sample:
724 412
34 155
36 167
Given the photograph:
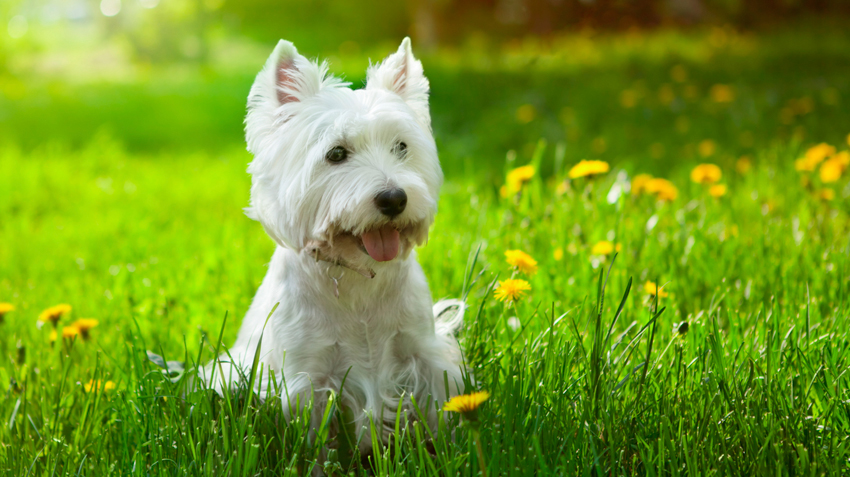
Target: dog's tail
448 316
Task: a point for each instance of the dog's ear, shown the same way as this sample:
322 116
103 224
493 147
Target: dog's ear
402 74
287 76
286 79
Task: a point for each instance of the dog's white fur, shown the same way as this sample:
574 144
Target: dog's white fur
380 334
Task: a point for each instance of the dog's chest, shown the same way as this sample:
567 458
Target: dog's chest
373 345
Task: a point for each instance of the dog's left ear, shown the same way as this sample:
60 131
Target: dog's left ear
402 74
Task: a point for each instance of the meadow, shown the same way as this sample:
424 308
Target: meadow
680 319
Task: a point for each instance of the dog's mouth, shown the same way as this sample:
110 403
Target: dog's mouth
382 243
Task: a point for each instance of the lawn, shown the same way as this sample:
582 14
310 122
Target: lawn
669 330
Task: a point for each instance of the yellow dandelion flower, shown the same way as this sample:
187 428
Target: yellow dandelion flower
842 158
639 183
802 165
558 254
53 335
652 289
589 168
826 194
721 93
511 290
84 325
4 309
813 157
706 148
98 385
820 152
54 313
830 171
522 261
717 190
525 114
706 174
517 177
69 332
466 403
603 247
744 165
663 189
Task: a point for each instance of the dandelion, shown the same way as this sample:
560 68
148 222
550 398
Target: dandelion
652 289
663 189
516 178
604 247
744 165
717 190
639 183
721 93
467 406
69 332
588 169
521 261
706 174
4 309
84 325
558 254
52 337
98 385
830 171
813 157
54 314
511 290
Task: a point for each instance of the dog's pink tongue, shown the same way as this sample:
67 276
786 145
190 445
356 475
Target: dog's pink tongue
382 243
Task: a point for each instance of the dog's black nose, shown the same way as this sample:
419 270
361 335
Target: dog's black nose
391 202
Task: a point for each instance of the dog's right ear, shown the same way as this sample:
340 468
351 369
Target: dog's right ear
286 77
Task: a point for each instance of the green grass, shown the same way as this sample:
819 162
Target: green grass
588 373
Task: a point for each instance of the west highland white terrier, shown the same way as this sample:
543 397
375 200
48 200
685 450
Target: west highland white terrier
346 183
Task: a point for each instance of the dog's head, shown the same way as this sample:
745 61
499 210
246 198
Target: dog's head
354 171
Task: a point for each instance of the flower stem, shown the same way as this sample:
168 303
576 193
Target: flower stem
481 462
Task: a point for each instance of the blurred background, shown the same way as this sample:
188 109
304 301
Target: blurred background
650 81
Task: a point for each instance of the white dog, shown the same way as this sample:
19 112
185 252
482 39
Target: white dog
346 182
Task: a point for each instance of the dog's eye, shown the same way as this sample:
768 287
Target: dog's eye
400 149
337 154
